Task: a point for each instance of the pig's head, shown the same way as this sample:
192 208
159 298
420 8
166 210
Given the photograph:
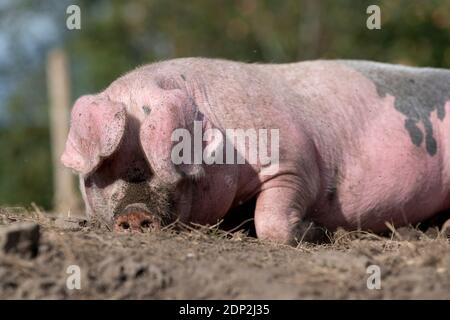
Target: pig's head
127 177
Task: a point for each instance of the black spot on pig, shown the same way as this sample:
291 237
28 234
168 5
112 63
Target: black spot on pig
417 100
417 92
146 110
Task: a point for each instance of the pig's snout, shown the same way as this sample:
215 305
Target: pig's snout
135 219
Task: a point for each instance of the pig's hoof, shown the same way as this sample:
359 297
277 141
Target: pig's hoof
135 221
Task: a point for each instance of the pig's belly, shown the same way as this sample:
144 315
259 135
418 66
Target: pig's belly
389 179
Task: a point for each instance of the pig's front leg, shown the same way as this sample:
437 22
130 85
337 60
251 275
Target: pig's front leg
279 217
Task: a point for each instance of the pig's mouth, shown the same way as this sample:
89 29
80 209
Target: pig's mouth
149 208
136 218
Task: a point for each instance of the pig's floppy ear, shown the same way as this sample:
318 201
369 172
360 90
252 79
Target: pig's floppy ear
96 129
176 110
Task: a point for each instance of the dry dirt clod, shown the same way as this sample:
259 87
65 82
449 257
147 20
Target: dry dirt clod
70 223
408 234
20 238
432 233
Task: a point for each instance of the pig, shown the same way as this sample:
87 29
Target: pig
361 145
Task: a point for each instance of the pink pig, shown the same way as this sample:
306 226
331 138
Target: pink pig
360 144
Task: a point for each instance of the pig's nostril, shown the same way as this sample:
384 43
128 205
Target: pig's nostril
146 224
124 225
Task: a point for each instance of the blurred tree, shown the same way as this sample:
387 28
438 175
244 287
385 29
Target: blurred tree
25 171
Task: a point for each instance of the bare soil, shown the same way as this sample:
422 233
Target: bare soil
208 263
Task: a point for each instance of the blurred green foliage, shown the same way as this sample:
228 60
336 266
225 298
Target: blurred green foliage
118 35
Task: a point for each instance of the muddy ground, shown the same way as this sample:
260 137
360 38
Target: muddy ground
208 263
